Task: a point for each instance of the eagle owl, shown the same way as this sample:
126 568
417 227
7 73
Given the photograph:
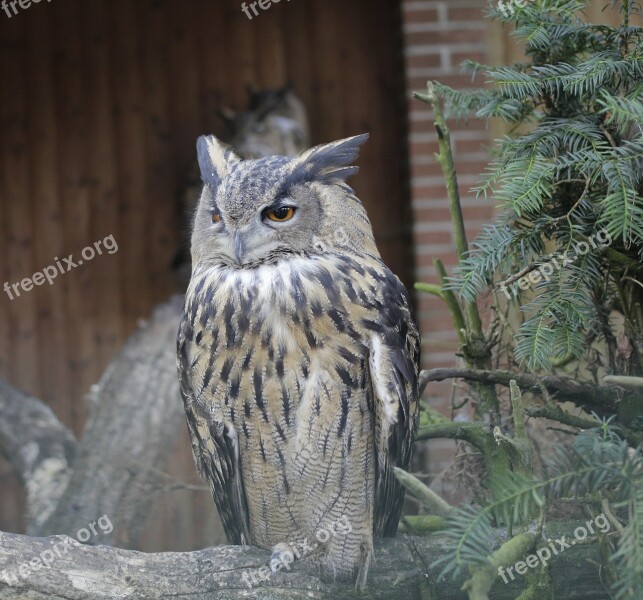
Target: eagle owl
298 356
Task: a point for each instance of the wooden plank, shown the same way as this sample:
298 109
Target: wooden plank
359 81
48 219
184 89
73 190
16 209
213 64
135 208
99 73
241 41
328 67
271 49
8 482
17 200
12 500
5 301
161 181
298 32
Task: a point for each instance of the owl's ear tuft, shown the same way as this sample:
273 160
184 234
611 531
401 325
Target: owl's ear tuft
214 158
328 163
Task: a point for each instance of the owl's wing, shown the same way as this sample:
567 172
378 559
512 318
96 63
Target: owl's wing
394 362
216 450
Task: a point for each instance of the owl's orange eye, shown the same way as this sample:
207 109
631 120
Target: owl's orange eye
216 217
281 214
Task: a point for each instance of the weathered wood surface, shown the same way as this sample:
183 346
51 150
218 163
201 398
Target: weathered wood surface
401 571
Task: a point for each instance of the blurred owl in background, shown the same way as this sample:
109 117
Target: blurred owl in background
275 122
298 357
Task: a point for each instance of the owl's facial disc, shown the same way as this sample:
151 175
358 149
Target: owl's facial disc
257 212
265 234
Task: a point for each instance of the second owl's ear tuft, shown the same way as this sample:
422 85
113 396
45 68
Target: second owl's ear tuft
214 158
328 163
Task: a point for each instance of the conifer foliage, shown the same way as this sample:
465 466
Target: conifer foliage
571 188
563 267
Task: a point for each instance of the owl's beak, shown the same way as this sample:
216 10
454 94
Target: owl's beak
239 246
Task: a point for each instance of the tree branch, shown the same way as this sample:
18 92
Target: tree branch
434 503
624 380
59 567
601 400
468 432
521 450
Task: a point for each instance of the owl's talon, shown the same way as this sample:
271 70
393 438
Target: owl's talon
282 556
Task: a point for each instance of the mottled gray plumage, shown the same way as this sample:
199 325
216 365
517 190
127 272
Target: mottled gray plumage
298 355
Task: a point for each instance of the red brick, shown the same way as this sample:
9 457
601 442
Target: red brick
437 191
437 214
434 237
473 146
446 37
426 61
459 13
428 15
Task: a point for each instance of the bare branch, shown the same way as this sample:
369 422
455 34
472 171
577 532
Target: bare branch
601 400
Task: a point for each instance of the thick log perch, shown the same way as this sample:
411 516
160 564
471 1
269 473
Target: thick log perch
401 570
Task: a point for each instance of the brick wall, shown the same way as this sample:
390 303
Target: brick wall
439 35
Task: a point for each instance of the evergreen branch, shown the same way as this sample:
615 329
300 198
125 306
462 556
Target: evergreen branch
516 276
621 112
629 556
598 462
